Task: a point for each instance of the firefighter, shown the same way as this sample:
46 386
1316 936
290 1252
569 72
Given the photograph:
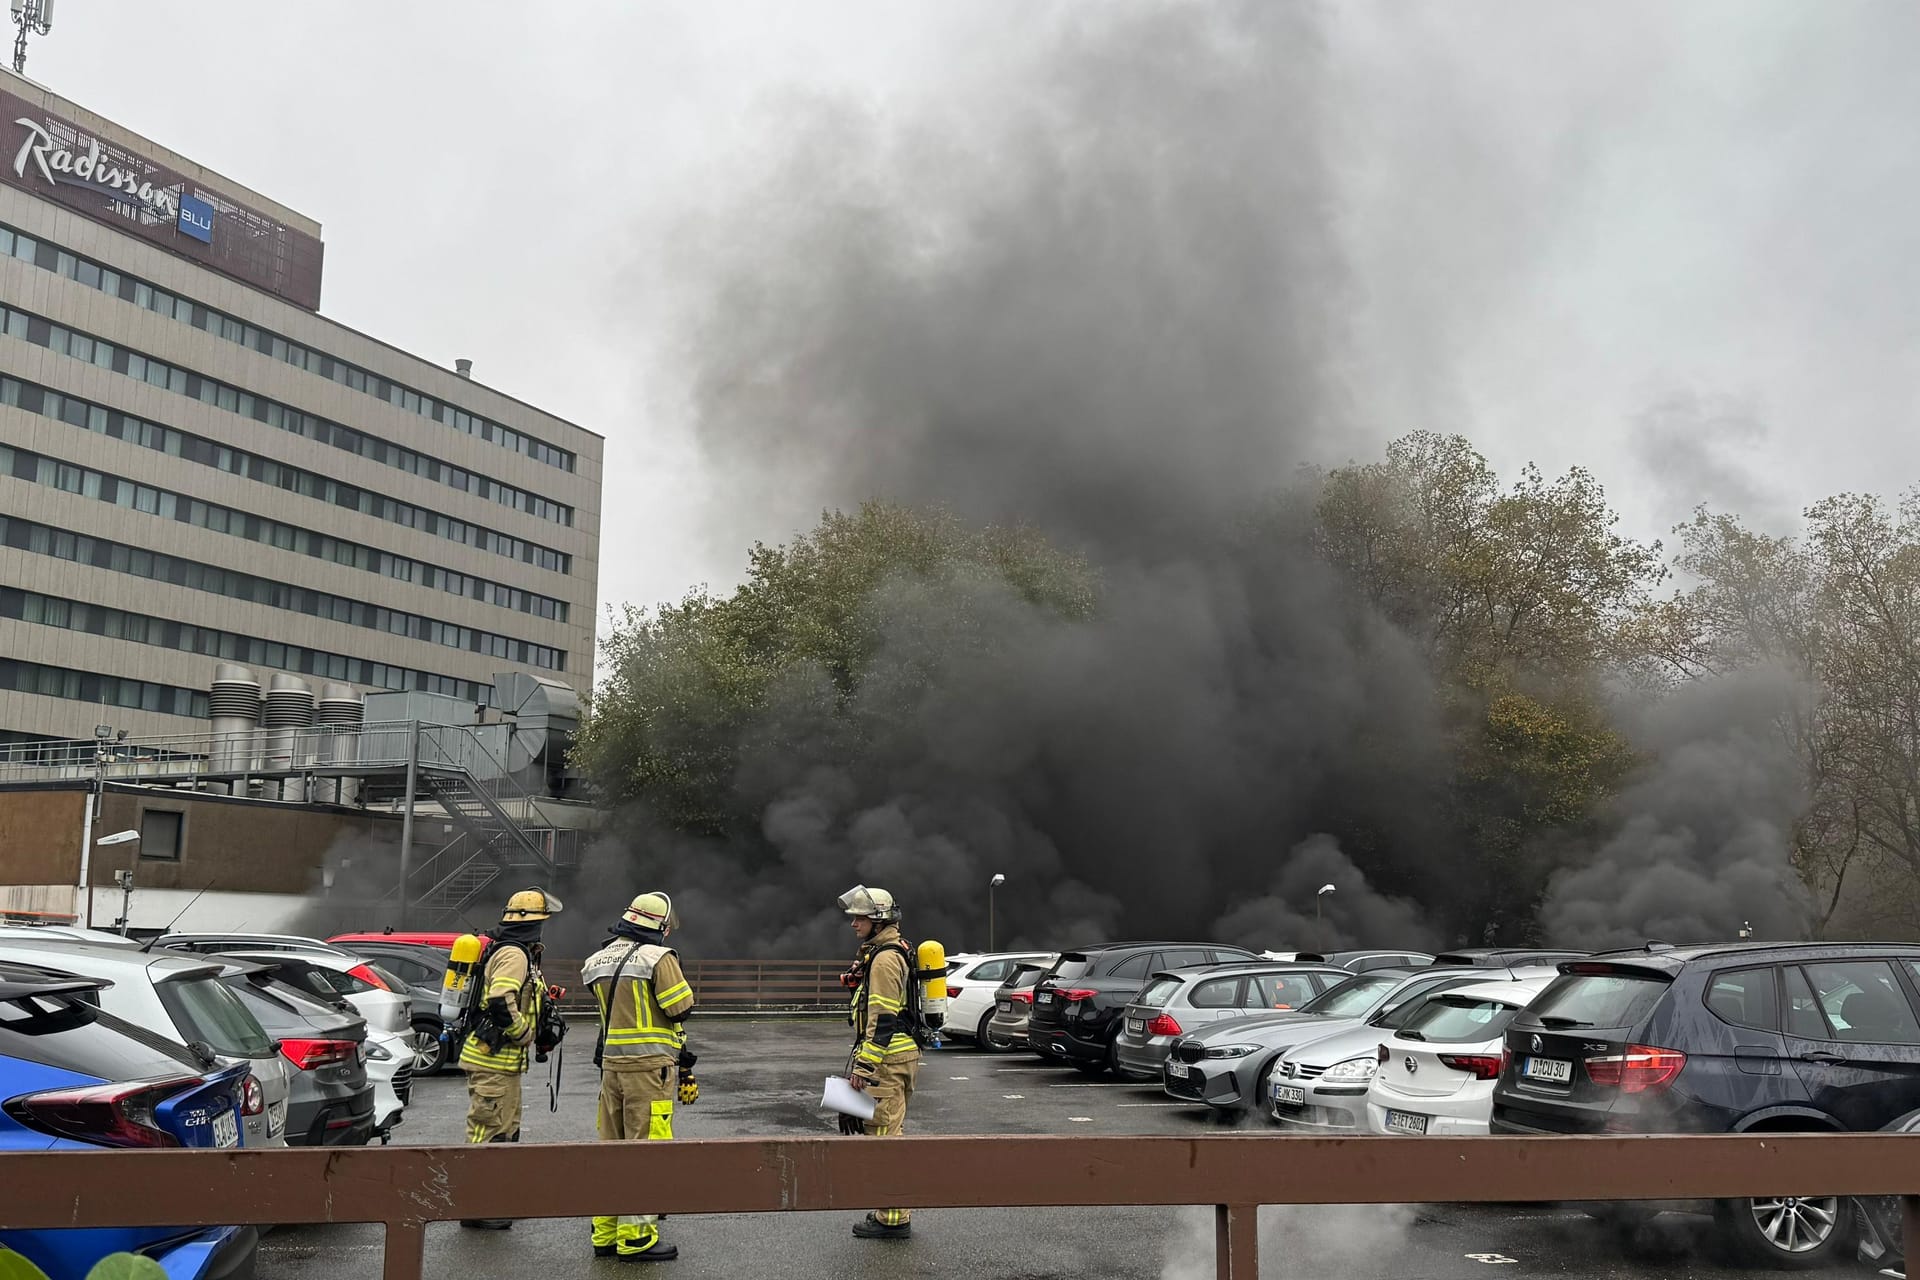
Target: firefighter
886 1057
495 1055
643 997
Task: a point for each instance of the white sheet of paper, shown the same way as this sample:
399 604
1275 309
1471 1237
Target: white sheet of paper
847 1100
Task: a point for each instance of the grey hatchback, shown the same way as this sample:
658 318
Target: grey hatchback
1178 1001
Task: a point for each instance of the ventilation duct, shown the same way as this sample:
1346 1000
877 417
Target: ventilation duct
341 714
233 704
288 710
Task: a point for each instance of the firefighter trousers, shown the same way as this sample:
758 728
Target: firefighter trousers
493 1106
891 1090
636 1105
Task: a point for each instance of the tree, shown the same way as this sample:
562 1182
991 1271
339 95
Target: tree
686 689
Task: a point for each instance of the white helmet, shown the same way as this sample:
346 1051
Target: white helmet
874 904
652 911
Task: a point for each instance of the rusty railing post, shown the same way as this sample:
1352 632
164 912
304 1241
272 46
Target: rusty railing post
406 1251
1236 1241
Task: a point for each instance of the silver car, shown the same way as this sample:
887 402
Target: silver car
1176 1002
180 998
1226 1065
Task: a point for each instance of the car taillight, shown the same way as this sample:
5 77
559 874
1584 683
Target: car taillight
107 1115
369 977
1072 994
952 991
1481 1066
1640 1069
1163 1025
253 1100
1383 1055
1020 997
1506 1059
308 1054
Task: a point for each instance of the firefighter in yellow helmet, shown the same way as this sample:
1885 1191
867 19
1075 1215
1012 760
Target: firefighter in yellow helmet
643 996
886 1057
495 1055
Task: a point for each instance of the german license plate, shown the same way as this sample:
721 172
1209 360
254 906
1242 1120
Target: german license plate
1137 1025
1552 1070
1045 997
1003 1006
1177 1070
276 1120
1406 1122
1289 1095
226 1130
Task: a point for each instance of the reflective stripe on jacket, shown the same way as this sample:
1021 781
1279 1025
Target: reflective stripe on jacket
642 994
508 976
882 999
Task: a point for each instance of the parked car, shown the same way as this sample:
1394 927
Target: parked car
1077 1005
1438 1067
1731 1038
179 997
1183 1000
1227 1065
440 941
341 976
421 968
1013 1006
331 1100
212 943
75 1078
65 933
1363 961
1506 957
972 982
1321 1083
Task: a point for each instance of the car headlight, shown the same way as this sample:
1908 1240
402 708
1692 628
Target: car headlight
378 1052
1232 1050
1353 1069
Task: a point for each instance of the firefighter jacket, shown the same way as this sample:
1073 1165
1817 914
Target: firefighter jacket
880 1004
510 977
642 994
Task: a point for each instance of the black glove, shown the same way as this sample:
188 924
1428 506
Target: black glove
687 1058
851 1125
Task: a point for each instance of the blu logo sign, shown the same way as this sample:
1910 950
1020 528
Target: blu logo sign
196 218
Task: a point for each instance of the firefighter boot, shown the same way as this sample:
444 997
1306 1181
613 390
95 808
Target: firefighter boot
871 1228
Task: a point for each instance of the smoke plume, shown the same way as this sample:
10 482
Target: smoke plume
1700 839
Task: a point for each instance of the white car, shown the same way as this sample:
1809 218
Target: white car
180 998
971 982
1437 1071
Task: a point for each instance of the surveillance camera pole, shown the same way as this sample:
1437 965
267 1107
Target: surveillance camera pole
33 17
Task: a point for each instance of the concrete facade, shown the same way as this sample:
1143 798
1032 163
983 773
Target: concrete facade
466 637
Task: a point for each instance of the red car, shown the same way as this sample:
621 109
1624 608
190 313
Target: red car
444 941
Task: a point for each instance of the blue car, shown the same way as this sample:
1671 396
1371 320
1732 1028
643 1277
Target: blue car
74 1078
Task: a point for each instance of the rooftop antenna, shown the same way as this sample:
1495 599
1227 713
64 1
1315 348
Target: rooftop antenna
33 17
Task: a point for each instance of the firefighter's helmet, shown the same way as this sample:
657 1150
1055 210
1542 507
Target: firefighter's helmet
530 904
652 911
874 904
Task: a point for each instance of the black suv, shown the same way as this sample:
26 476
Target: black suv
1737 1038
1077 1004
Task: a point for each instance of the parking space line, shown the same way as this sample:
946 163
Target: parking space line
1097 1084
1152 1104
1020 1071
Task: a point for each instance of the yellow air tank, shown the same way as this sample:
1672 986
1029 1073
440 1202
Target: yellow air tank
462 968
933 974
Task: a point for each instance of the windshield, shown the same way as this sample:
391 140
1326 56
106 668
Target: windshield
1458 1019
206 1011
1161 991
1071 967
1351 998
1025 976
1596 1000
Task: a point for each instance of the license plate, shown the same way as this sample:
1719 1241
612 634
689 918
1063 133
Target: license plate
1045 997
1289 1095
1405 1122
1552 1070
1004 1006
1177 1070
226 1130
1137 1025
276 1120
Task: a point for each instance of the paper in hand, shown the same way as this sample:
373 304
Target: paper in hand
842 1097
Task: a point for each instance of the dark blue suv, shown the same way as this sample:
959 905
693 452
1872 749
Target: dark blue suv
1736 1038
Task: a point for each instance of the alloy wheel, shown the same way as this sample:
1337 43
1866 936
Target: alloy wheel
427 1050
1796 1224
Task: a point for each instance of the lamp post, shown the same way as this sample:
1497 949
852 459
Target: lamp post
83 893
1319 915
123 878
992 884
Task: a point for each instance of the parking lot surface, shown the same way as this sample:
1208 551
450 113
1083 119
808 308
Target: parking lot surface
763 1077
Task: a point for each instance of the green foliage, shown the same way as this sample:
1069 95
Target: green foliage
126 1266
686 687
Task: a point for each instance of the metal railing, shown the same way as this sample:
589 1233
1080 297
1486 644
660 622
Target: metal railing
407 1187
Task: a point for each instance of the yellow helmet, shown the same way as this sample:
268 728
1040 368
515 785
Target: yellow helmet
874 904
652 911
530 904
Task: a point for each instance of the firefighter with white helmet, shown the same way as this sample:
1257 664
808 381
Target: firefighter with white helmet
886 1056
495 1055
643 996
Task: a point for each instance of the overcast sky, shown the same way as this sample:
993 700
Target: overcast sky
1674 242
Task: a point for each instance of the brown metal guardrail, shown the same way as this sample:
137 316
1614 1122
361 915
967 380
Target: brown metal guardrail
407 1187
737 986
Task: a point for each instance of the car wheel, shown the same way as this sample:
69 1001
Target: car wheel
1796 1232
983 1035
429 1053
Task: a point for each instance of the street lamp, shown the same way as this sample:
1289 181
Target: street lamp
1325 889
122 878
83 892
992 884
